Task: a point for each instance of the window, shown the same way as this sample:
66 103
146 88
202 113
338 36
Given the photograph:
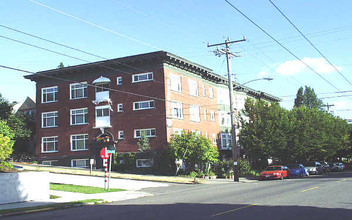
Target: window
80 163
49 119
78 90
203 88
49 144
144 163
206 135
120 107
177 131
143 105
194 113
175 84
193 87
49 94
205 114
79 116
214 139
211 93
212 115
103 112
150 132
142 77
120 135
176 110
79 142
224 119
48 162
226 141
102 119
102 87
119 81
198 133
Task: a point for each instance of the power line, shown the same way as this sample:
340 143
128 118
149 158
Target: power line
95 25
285 48
310 42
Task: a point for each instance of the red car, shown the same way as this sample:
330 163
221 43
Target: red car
275 172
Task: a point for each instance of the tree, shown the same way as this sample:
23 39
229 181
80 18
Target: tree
61 65
194 149
143 144
6 140
299 98
307 98
264 131
5 108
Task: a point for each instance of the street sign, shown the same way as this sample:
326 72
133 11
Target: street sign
110 151
104 154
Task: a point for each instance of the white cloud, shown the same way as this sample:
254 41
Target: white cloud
262 74
293 67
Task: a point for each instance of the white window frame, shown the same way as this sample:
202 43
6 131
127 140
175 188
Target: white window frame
75 160
211 92
175 82
48 162
203 88
74 138
214 139
176 110
149 132
205 114
225 140
212 115
81 112
194 114
150 104
100 108
45 92
192 87
120 107
45 117
80 86
119 80
55 142
143 163
149 77
120 135
177 131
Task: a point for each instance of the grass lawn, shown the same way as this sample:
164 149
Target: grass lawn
81 189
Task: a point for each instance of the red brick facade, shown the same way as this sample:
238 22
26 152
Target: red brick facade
161 91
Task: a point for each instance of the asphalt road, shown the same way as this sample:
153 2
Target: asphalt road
316 197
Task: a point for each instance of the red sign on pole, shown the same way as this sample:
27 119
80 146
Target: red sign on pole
104 154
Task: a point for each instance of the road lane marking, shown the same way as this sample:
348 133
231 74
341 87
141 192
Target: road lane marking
233 210
343 180
310 189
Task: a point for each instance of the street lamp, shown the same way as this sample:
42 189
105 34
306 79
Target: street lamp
233 125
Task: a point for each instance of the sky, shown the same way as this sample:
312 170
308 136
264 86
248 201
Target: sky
110 29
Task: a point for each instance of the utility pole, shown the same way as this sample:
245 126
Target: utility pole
229 55
328 106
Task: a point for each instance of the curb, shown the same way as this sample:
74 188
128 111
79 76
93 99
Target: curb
35 210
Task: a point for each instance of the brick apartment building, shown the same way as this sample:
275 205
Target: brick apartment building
156 94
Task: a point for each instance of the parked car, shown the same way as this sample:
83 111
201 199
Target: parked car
297 170
275 172
325 166
337 167
313 167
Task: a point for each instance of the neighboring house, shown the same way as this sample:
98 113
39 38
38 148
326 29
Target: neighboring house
156 94
28 107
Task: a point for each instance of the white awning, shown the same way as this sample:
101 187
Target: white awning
101 80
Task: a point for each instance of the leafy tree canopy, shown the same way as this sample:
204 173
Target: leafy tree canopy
307 98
